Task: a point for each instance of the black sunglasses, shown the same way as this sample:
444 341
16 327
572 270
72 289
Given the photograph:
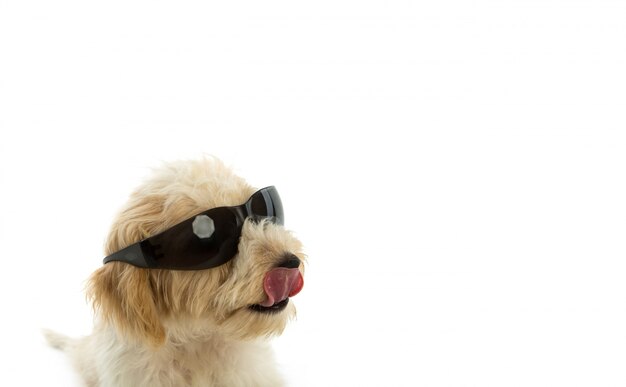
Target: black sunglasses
207 240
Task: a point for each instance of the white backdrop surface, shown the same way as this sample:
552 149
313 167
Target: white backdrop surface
456 170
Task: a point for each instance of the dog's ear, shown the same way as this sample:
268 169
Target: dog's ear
123 295
120 292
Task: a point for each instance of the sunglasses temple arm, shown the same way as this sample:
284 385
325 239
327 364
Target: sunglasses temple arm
131 254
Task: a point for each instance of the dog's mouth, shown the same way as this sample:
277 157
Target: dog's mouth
275 308
279 284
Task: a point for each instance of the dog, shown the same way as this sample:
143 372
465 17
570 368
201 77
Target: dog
199 274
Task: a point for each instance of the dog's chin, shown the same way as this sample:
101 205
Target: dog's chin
276 308
255 321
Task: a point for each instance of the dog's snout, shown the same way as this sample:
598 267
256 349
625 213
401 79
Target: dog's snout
290 261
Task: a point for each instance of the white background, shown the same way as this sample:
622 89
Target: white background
456 170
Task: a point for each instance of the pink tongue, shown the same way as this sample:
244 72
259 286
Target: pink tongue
281 283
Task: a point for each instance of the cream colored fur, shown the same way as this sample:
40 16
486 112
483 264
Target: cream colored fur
183 328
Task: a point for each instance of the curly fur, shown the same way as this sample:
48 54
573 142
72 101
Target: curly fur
183 328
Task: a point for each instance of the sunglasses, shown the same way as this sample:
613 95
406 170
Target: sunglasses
207 240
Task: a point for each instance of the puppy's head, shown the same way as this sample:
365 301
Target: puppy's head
237 299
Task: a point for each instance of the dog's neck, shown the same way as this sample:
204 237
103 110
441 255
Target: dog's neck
188 357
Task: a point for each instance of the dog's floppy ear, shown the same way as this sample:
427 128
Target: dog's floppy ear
123 296
123 293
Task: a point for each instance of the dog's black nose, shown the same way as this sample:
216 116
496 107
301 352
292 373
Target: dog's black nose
290 262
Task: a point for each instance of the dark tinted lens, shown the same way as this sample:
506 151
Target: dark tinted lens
206 240
267 203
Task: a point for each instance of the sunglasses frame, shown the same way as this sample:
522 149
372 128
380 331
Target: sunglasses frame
145 253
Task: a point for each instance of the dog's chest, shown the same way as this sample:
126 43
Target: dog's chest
198 364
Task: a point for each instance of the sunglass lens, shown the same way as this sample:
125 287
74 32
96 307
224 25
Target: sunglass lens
207 240
267 203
